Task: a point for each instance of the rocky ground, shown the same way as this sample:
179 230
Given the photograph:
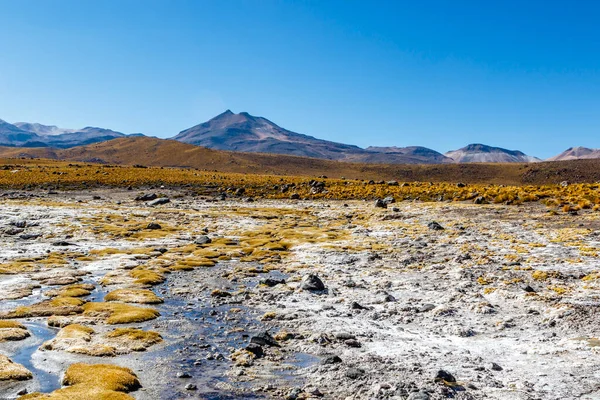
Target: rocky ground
218 298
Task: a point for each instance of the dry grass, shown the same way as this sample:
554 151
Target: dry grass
494 183
10 371
93 382
56 306
147 277
141 296
76 290
12 330
117 313
134 339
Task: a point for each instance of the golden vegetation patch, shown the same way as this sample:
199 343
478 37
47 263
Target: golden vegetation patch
11 371
93 382
75 290
117 313
135 339
141 296
56 306
147 277
12 330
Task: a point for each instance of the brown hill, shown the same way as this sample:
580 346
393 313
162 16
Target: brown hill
170 153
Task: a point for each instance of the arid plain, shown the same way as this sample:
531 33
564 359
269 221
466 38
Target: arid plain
123 282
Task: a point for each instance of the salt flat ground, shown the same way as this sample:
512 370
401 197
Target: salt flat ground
502 298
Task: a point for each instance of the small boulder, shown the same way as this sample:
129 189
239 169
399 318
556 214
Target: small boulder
202 239
146 197
159 201
313 283
444 376
354 373
380 204
264 339
331 359
434 226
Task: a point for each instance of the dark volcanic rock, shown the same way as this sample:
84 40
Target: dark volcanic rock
146 197
264 339
444 376
313 283
159 201
435 226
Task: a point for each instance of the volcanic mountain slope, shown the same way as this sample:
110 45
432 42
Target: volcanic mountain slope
482 153
576 153
246 133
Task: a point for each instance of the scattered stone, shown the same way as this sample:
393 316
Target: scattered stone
313 283
153 226
270 282
62 243
146 197
528 289
479 200
29 236
183 375
380 204
202 239
426 307
191 386
13 231
389 200
344 336
352 343
420 395
159 201
264 339
434 226
495 367
354 373
356 306
331 359
444 376
255 349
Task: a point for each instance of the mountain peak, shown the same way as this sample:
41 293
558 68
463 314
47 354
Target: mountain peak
477 152
576 153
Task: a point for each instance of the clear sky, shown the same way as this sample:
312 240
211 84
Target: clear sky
517 74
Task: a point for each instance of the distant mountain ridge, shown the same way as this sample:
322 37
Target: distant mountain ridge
26 134
576 153
246 133
487 154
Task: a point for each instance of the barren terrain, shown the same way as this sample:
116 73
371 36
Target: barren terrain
220 297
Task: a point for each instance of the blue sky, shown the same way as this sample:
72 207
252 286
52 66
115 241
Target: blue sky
518 74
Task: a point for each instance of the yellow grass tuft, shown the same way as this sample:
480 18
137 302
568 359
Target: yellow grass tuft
117 313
